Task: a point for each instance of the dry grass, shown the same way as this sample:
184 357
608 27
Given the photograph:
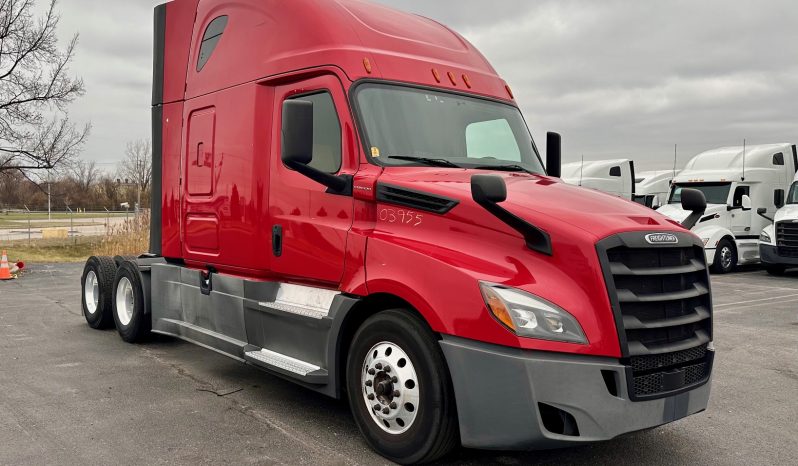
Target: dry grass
130 238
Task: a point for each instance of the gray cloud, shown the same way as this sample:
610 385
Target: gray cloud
616 77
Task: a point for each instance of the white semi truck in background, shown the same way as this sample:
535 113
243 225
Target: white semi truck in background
653 187
743 186
616 177
778 242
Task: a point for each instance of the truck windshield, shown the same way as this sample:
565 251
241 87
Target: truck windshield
410 126
716 193
792 198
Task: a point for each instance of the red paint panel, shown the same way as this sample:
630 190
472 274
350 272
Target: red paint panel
199 163
202 234
179 28
171 194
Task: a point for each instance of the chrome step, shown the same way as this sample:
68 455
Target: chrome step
281 361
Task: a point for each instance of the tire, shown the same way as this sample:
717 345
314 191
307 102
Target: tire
776 270
96 295
409 357
724 263
132 323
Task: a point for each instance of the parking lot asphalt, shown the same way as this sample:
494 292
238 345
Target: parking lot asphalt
73 395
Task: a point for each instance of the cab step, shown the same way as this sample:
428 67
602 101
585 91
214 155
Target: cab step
287 365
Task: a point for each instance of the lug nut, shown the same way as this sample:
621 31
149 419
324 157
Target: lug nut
368 383
372 372
378 366
394 379
395 393
376 407
371 396
387 368
386 411
393 405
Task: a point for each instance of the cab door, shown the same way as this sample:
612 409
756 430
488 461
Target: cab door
740 218
310 225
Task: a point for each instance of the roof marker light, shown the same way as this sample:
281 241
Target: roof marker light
452 78
509 91
467 81
367 65
436 75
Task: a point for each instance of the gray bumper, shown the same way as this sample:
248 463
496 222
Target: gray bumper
498 390
770 255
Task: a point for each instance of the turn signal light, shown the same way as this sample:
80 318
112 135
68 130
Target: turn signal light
497 307
367 65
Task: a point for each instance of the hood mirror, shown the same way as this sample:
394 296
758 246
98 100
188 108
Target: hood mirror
693 201
762 212
488 191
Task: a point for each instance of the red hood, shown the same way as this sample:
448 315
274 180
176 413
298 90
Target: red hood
544 201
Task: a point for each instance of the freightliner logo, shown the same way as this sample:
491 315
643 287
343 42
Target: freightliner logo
662 238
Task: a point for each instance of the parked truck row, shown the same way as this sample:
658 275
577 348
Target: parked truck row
347 196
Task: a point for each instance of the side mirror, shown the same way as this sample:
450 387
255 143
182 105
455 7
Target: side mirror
297 147
297 132
746 202
762 213
554 155
694 201
488 188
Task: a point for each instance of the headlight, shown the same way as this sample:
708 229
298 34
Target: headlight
531 316
764 237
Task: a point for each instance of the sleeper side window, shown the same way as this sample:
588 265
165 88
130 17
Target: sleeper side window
778 159
211 38
326 133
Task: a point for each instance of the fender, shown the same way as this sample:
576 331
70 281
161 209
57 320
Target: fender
713 234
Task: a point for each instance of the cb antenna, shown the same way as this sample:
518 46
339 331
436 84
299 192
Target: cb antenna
743 178
581 169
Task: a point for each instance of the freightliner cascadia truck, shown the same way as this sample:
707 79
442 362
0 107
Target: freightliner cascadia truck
347 196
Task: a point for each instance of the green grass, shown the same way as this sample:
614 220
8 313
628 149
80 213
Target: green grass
47 251
17 225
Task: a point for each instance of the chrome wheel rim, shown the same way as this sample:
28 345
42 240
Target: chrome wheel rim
390 387
726 257
124 301
91 292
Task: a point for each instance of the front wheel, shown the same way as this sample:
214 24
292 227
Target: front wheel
399 389
725 257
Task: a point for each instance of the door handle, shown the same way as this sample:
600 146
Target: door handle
277 240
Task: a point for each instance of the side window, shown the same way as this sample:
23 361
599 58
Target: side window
778 198
493 138
615 171
326 133
211 38
778 159
739 192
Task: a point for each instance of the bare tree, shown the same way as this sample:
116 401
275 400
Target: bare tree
85 174
35 90
136 167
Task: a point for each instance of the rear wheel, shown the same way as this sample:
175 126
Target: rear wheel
399 389
776 270
725 257
97 284
132 323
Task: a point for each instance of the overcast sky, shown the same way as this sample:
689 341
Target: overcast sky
617 78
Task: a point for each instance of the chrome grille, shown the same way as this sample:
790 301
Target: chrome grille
787 239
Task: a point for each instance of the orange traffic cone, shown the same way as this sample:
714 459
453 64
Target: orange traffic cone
5 271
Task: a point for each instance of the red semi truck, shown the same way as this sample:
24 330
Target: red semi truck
347 196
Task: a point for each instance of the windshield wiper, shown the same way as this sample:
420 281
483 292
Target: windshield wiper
426 161
506 168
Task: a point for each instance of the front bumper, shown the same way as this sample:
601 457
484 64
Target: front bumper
769 255
498 391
